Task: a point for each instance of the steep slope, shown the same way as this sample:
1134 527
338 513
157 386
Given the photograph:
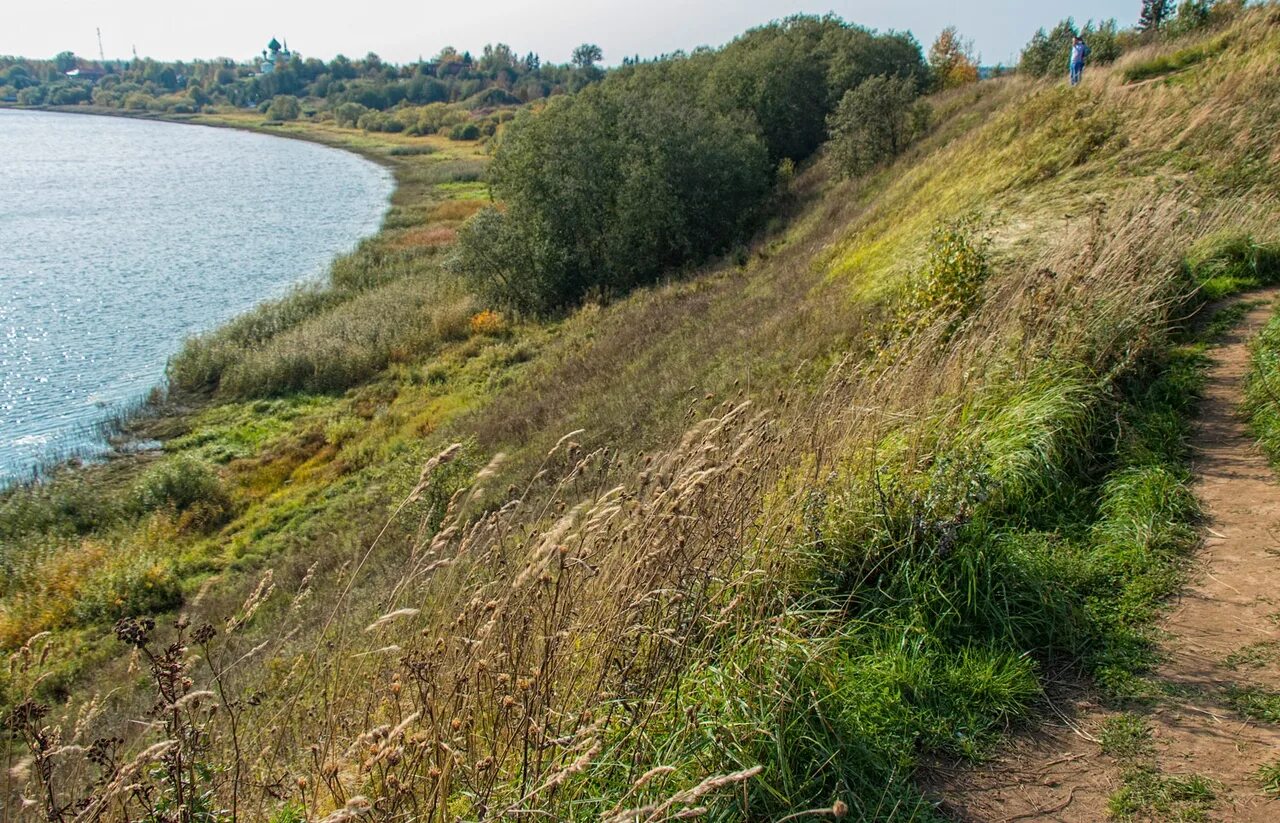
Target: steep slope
740 546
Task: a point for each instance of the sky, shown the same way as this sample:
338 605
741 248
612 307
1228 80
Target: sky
403 30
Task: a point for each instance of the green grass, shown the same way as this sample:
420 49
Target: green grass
1125 737
1254 702
1150 795
1262 391
1168 63
1255 655
1146 792
1268 775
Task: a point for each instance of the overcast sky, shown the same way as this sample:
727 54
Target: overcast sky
403 30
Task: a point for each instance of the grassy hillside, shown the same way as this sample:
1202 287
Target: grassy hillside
741 545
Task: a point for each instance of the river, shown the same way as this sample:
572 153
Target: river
119 238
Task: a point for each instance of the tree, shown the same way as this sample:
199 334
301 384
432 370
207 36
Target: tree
284 107
1050 54
608 189
496 58
587 55
1154 13
65 61
1192 15
199 97
951 58
874 123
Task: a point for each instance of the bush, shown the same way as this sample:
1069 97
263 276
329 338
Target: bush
348 115
284 107
135 586
488 323
874 122
411 151
465 131
182 485
956 265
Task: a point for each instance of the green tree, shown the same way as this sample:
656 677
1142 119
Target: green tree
1153 14
65 61
1192 15
284 107
587 55
1050 54
608 189
874 123
199 97
952 60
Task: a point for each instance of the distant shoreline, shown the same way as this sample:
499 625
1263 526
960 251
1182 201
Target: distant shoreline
277 128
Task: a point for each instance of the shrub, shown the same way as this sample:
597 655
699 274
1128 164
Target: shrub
348 114
411 151
874 122
488 323
606 190
956 265
465 131
138 101
183 484
136 586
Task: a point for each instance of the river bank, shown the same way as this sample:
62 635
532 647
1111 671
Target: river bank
89 531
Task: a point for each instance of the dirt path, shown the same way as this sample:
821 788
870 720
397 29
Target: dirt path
1222 647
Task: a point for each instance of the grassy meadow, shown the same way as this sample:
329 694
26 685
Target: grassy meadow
751 543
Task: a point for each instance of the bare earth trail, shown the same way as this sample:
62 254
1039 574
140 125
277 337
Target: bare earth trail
1221 637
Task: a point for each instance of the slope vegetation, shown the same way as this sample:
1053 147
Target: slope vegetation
744 545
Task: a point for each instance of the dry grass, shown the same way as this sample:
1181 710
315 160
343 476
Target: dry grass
429 236
456 210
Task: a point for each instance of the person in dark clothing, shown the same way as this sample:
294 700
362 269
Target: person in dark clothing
1079 51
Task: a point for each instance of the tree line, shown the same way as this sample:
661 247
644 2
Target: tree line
449 77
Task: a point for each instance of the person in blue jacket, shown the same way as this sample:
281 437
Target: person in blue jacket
1079 51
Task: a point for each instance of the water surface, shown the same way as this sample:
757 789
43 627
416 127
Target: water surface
119 238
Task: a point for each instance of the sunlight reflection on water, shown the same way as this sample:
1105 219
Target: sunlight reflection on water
118 238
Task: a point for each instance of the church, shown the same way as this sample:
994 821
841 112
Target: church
274 55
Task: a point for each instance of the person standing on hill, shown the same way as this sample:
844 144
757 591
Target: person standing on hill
1079 51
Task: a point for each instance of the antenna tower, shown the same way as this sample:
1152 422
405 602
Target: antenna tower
102 56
